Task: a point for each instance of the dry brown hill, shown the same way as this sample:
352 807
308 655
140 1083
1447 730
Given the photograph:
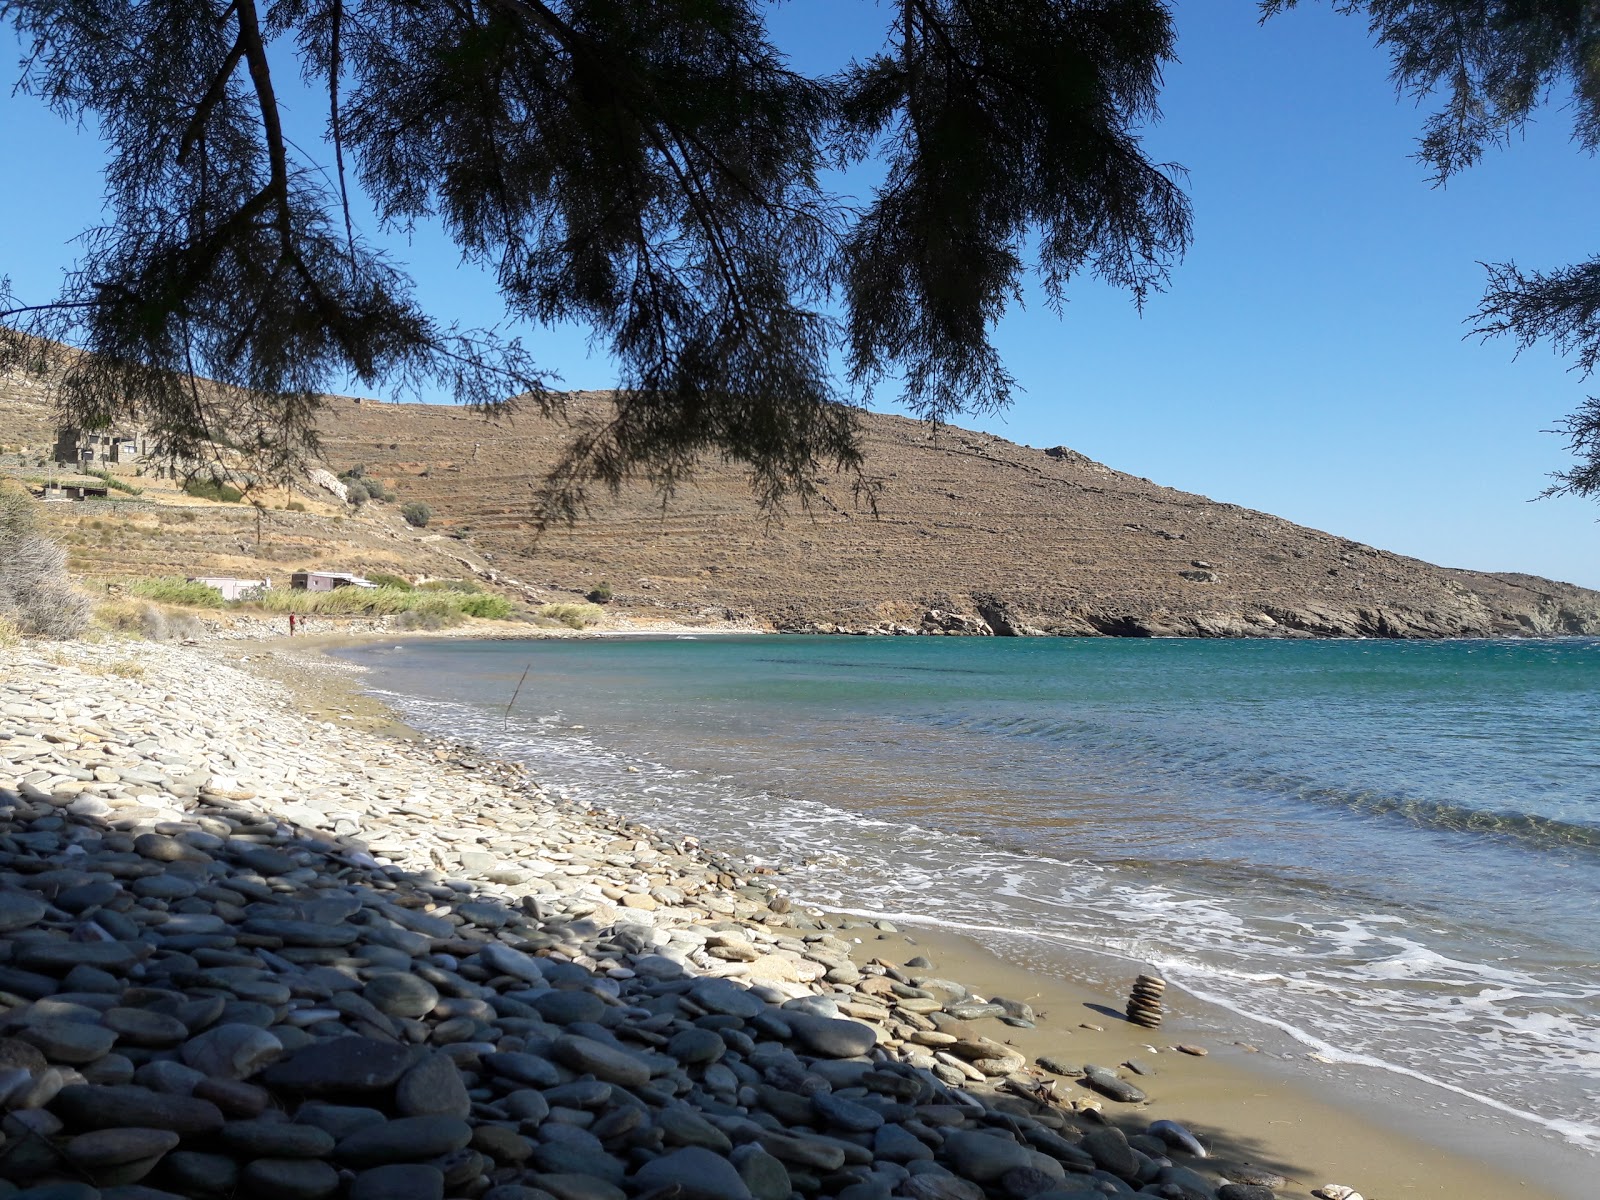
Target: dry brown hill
972 534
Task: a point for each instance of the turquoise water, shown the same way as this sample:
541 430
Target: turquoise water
1383 853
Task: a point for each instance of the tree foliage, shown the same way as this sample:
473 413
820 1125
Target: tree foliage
652 168
1494 62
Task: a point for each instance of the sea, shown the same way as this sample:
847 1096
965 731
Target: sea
1377 859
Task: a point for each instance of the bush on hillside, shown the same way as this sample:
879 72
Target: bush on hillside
574 616
468 586
172 590
601 594
36 595
492 608
416 513
115 484
212 489
356 492
384 579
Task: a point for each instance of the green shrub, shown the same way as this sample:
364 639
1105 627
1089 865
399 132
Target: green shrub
574 616
384 579
356 492
295 506
212 489
379 490
412 619
416 513
451 585
601 594
492 608
172 590
115 484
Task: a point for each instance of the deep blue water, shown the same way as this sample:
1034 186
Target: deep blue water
1385 853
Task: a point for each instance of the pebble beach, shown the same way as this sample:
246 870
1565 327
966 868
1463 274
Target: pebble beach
252 952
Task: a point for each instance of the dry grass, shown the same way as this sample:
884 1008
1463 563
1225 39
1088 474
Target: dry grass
574 616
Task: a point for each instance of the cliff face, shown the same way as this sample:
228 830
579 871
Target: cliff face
972 534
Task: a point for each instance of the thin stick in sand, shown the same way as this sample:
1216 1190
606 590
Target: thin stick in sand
506 720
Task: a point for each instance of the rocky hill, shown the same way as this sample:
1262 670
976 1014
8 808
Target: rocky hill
971 534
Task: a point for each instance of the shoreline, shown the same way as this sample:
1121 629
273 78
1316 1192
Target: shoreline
342 772
1331 1130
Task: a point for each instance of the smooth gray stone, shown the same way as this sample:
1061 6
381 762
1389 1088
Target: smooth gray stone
291 1179
1111 1152
695 1046
1245 1191
565 1186
845 1114
940 1187
341 1064
1192 1184
73 1042
724 996
527 1106
484 916
600 1060
685 1127
399 1181
143 1027
523 1068
434 1085
895 1143
564 1008
196 1174
63 956
829 1037
400 995
561 1158
263 860
503 959
235 1050
408 1139
276 1139
697 1173
983 1157
338 1119
84 1106
1109 1084
303 933
101 1149
765 1176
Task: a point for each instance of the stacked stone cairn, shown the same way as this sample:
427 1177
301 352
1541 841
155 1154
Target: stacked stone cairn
516 998
1144 1002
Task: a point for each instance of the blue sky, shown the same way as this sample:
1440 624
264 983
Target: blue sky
1309 358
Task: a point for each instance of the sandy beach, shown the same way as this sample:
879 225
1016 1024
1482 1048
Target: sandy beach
249 747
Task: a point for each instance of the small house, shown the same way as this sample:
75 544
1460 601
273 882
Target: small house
327 581
101 448
232 587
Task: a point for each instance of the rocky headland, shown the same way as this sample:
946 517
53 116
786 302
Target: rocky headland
964 533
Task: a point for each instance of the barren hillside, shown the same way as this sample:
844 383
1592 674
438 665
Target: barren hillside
972 534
